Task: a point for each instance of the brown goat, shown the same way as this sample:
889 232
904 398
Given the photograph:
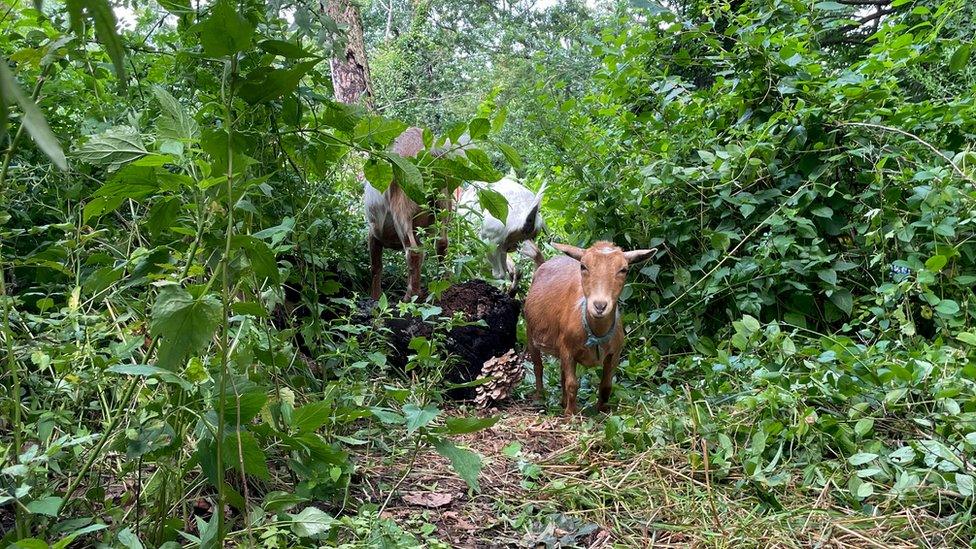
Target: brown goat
571 313
393 220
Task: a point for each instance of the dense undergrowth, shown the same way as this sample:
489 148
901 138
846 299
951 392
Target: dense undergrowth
184 360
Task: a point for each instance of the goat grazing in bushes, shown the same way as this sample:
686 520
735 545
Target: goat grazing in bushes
394 220
571 312
523 224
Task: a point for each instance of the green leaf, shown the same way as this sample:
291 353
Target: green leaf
312 521
936 262
113 148
863 426
260 256
861 458
105 30
379 173
494 203
241 448
960 57
377 130
290 50
225 31
262 85
479 128
185 324
244 405
461 425
964 485
751 324
45 506
142 370
828 275
947 307
466 463
511 155
407 176
311 416
64 542
175 123
844 300
32 118
967 337
419 417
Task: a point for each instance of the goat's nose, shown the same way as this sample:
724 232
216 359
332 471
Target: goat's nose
600 306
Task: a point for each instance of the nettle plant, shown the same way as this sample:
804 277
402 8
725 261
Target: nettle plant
149 299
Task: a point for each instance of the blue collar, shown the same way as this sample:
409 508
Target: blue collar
593 340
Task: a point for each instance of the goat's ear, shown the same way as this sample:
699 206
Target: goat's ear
637 256
571 251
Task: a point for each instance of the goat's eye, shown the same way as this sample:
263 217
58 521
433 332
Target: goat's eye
582 267
623 271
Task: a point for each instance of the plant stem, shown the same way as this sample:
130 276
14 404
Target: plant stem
15 419
225 299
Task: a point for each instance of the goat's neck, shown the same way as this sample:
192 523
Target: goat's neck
600 326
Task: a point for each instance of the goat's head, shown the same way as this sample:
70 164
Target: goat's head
603 272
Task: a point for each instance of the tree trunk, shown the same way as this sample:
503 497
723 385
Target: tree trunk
350 71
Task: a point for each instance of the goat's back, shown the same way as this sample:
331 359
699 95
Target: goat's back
552 306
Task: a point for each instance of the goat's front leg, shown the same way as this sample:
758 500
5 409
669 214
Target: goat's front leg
375 267
536 355
415 260
570 384
606 381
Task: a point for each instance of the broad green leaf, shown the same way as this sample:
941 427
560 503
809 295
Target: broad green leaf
377 130
936 262
265 85
311 416
311 522
461 425
960 57
284 48
185 324
407 176
142 370
64 542
479 128
861 458
967 337
32 119
494 203
379 173
863 426
45 506
225 31
129 539
419 417
828 275
751 324
241 448
243 401
844 300
466 463
964 485
103 16
511 155
947 307
260 256
113 148
175 123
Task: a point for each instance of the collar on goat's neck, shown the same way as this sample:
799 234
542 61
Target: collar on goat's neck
593 340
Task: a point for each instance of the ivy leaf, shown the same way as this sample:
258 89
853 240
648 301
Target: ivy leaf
184 323
466 463
32 118
494 203
225 31
113 148
419 417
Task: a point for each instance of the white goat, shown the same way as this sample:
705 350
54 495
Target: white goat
522 226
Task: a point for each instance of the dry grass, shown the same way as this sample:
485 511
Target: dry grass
654 498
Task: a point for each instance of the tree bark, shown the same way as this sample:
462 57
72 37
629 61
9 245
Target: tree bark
350 71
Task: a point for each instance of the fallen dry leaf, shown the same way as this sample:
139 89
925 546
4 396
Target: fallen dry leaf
432 500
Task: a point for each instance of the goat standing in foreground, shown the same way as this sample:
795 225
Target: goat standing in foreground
521 227
393 219
571 313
